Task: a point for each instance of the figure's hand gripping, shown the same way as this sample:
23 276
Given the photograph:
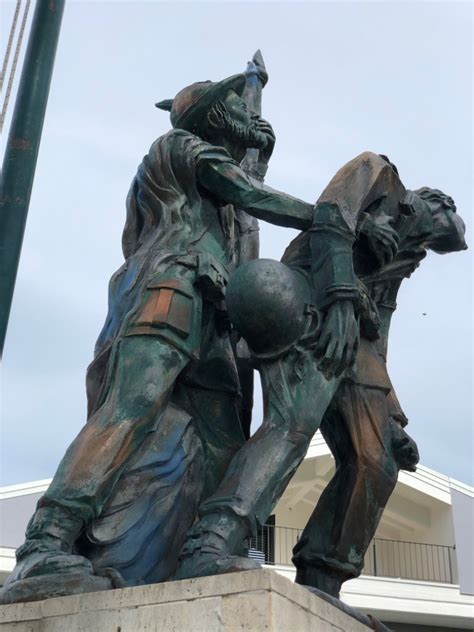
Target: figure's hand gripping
335 289
338 342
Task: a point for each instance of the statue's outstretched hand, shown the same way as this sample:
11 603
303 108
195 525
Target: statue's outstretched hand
337 346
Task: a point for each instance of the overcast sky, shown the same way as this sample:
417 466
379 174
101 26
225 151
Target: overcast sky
393 78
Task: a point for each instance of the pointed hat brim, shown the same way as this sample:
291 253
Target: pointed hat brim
196 110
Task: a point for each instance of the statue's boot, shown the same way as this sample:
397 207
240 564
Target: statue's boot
320 578
211 546
46 565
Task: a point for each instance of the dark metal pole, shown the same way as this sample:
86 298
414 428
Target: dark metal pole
22 147
375 560
451 579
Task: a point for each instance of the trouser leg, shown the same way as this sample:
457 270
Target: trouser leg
145 372
216 418
334 542
145 521
294 404
262 468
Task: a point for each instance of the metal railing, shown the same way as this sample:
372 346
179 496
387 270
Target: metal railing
384 558
410 560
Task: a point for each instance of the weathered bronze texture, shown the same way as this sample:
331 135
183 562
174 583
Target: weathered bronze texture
368 235
163 481
165 349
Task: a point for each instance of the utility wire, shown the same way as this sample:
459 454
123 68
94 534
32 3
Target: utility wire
14 64
9 44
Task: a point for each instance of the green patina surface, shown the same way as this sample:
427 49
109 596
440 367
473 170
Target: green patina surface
164 481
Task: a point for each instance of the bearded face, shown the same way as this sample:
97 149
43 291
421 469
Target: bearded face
236 123
246 134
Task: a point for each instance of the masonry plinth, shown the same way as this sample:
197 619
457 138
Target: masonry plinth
253 600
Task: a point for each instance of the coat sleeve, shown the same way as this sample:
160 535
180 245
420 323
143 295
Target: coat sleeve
337 215
228 182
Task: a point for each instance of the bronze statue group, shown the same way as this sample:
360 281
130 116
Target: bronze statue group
164 481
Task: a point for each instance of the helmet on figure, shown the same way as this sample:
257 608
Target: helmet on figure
266 303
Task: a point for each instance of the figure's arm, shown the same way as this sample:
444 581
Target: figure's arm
357 202
335 287
229 183
338 342
331 241
338 216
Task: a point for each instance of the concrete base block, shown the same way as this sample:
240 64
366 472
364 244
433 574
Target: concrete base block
253 600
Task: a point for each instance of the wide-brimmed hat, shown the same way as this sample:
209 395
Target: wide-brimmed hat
193 102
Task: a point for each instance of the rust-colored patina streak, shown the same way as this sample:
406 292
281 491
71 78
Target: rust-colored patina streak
148 312
106 457
181 313
163 305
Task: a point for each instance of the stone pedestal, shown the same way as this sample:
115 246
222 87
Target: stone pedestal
254 600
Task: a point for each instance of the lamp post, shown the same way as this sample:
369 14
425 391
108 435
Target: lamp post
22 146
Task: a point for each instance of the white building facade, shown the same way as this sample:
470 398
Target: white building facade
418 575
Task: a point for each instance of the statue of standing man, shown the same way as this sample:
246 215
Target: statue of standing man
164 365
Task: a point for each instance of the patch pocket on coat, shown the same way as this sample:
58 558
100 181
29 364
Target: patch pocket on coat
167 306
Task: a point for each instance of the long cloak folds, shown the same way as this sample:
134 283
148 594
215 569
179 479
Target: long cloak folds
163 222
140 531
